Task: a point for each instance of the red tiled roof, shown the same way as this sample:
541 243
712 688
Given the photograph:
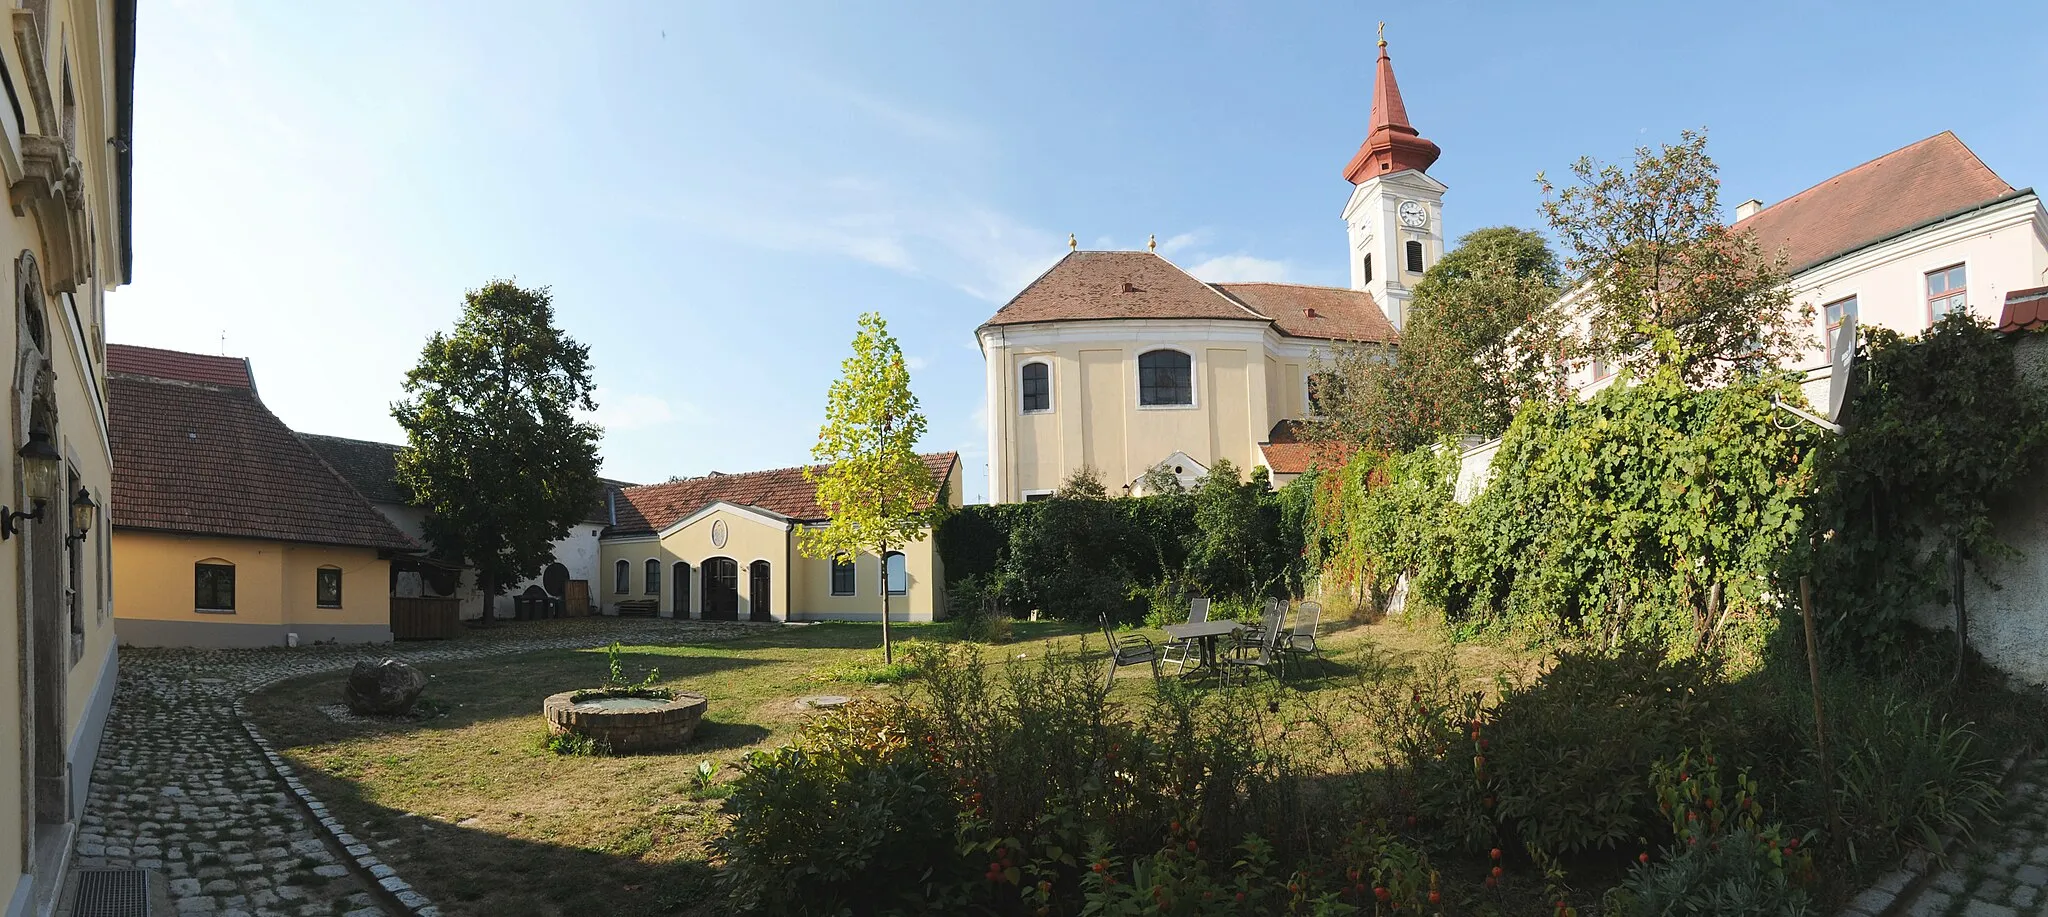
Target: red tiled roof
653 507
1287 452
1091 286
1111 285
1895 192
177 365
212 460
2025 310
1330 313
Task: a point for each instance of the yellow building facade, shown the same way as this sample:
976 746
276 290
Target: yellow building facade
64 154
1121 362
228 529
724 547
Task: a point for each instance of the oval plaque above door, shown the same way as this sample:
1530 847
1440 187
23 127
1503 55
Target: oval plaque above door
718 533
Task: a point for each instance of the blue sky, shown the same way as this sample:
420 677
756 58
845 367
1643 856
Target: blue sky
716 191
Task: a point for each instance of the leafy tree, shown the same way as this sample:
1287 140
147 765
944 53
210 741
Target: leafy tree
1648 254
874 487
1235 529
1458 370
1071 559
495 453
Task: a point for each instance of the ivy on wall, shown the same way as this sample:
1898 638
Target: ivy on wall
1650 510
1942 431
1685 515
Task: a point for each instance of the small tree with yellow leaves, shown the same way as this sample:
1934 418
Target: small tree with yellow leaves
872 484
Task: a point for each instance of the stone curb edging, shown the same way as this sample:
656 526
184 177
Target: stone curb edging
1900 887
375 872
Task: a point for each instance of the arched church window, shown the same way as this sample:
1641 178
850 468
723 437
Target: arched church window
1036 384
1414 256
1166 377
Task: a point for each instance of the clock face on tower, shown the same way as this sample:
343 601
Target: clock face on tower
1413 215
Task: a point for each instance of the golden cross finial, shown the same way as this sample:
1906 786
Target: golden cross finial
1072 245
1152 243
1383 34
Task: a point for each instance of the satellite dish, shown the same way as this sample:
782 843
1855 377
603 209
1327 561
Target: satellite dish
1842 348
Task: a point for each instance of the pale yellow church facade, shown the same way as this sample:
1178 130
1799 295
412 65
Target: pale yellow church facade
1121 362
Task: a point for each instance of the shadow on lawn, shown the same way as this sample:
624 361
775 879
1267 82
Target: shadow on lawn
477 872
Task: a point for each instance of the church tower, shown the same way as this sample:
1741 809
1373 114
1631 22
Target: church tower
1395 215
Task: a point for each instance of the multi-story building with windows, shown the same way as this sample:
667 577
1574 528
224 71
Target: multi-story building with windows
1123 363
64 156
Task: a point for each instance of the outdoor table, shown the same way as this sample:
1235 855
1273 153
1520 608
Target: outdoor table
1207 632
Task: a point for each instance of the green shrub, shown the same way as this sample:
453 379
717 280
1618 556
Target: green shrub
855 820
1566 757
1730 876
1905 776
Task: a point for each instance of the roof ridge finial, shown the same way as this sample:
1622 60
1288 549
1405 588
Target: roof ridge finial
1073 245
1383 33
1152 243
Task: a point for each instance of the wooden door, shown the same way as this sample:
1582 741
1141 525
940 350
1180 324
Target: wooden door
721 589
759 605
577 597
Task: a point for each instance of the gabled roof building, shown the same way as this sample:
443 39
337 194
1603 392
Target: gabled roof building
1122 362
228 530
724 547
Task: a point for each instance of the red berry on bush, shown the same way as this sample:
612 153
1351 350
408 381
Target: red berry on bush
1380 892
1642 858
1496 872
1496 853
1435 896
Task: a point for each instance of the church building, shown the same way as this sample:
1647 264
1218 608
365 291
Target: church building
1122 362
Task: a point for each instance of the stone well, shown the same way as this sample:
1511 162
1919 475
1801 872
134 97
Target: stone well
627 724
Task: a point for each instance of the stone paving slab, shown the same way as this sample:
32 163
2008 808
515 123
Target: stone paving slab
180 786
2004 873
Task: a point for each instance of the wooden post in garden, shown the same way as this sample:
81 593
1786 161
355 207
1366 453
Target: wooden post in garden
1956 590
1820 726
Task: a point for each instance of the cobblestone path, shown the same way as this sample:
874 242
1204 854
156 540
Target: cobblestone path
2005 873
179 786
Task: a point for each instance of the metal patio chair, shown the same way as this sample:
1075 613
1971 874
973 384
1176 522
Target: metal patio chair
1301 641
1129 649
1262 648
1180 651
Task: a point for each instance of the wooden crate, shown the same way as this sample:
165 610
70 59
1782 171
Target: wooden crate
425 619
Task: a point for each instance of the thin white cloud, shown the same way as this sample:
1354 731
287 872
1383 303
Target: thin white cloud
621 412
974 248
1181 242
1242 269
916 363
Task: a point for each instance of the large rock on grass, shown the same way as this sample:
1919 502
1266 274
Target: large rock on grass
385 688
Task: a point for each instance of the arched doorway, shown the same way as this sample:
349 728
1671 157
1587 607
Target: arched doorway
721 589
41 543
681 600
759 607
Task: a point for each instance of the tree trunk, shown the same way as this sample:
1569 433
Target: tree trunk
888 648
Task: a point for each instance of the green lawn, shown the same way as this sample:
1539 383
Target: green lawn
472 809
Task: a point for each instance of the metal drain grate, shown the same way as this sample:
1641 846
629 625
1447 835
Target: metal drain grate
112 893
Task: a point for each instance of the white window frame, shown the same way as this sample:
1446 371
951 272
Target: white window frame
885 573
1194 380
1027 495
1049 403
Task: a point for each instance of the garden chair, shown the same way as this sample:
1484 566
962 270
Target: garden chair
1180 651
1301 641
1262 648
1129 649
